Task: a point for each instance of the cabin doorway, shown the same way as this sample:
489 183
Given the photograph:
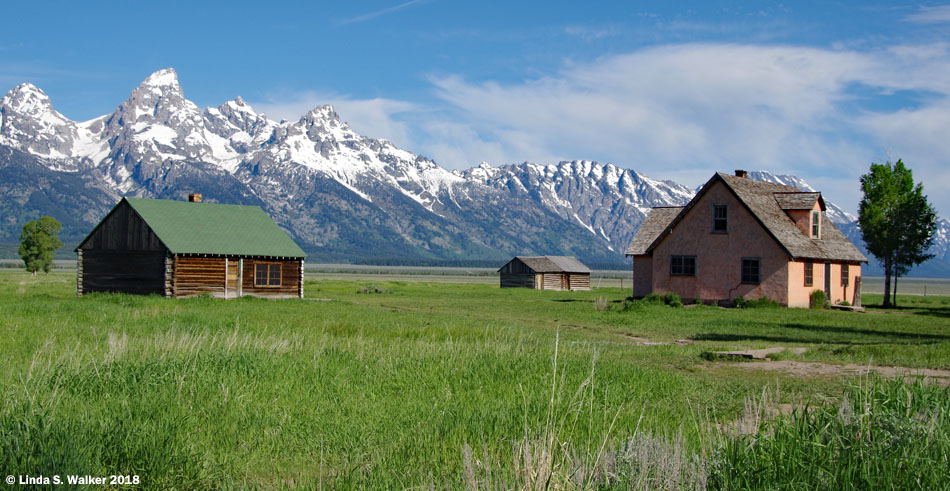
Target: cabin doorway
565 282
232 270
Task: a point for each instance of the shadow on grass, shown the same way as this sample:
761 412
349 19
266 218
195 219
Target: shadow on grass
882 336
867 332
713 336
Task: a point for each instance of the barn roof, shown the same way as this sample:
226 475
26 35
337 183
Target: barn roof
208 228
762 201
553 264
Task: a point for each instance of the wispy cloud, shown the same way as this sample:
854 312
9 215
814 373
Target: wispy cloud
683 111
377 117
930 15
376 13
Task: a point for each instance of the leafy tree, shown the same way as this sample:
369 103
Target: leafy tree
896 220
38 242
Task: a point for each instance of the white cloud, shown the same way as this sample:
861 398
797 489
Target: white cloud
930 15
680 110
376 13
684 111
376 118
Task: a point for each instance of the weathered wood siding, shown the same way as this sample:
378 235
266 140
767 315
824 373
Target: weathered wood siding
556 281
123 230
193 275
291 272
121 255
140 272
580 281
517 280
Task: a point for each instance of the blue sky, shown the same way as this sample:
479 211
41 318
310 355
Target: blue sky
673 90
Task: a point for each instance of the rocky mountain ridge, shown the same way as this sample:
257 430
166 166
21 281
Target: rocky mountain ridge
343 196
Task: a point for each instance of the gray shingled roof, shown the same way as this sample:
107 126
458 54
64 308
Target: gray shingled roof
760 198
798 201
653 225
554 264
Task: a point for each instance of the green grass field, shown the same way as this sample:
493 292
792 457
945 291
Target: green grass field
424 384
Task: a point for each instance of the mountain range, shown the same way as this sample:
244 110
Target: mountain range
342 196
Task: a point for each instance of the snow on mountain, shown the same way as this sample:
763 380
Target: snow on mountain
29 123
608 201
334 188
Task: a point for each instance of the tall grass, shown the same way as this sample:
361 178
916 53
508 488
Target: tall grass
883 434
426 386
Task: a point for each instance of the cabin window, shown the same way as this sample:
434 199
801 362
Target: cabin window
683 266
267 274
809 274
815 224
845 270
720 223
750 270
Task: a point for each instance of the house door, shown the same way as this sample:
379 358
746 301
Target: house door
565 282
828 282
231 268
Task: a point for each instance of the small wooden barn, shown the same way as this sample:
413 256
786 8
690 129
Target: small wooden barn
545 273
178 248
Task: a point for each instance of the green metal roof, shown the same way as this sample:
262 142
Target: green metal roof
207 228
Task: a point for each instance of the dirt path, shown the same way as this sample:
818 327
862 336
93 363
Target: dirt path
806 368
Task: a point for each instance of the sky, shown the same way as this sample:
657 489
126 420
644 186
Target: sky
674 90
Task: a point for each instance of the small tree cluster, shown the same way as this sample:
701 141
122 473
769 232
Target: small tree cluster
38 243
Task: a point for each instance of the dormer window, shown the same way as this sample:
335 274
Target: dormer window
720 221
816 224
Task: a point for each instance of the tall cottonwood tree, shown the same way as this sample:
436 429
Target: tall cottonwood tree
896 220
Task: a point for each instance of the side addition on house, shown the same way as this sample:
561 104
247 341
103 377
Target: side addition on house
545 273
744 238
177 249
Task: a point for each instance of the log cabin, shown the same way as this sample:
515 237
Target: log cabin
545 273
178 249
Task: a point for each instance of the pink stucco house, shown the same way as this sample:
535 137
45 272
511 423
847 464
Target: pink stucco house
744 238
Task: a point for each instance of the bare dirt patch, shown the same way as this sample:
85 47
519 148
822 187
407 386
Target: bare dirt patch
807 368
759 354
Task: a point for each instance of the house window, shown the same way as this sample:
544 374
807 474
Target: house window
750 270
267 274
815 224
844 274
720 219
683 266
809 274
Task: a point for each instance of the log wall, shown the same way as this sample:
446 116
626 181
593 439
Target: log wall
517 280
580 281
291 273
193 275
555 281
140 272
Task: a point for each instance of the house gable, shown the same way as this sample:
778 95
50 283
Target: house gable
717 257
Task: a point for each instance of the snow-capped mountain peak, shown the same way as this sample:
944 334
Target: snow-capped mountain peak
29 122
166 77
28 100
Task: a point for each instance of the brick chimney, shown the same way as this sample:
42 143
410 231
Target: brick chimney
739 173
194 198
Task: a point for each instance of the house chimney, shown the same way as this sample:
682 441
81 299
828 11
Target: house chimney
739 173
194 198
